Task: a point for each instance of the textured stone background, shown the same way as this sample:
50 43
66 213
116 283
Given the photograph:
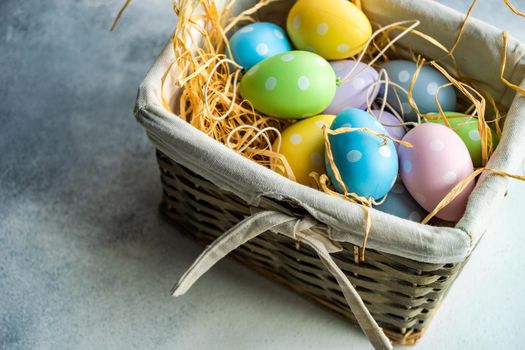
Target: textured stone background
85 260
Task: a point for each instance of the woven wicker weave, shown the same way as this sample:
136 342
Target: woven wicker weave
401 294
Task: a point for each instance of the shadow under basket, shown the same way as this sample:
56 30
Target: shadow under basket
401 294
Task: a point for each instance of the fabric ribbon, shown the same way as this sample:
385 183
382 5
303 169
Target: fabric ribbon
298 229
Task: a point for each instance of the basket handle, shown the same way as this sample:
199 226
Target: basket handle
295 228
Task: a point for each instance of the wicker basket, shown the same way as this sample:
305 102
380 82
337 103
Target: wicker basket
402 294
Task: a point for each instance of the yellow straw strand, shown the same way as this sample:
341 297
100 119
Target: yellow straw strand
119 14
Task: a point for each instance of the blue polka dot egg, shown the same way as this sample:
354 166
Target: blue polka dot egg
255 42
429 84
367 163
400 203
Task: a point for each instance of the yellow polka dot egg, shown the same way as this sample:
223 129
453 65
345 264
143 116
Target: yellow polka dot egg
302 144
334 29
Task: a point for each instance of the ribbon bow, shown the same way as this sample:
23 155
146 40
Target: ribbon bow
299 229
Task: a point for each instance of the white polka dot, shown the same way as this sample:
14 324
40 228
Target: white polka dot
320 61
474 135
407 108
403 76
303 83
353 156
322 29
262 49
450 177
346 125
384 151
432 88
270 83
407 166
288 57
246 29
297 21
320 123
278 34
414 216
317 159
253 70
420 198
342 48
437 145
358 83
296 139
398 188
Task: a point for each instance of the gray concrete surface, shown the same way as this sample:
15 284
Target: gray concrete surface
85 260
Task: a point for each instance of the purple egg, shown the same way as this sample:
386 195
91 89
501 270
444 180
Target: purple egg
353 91
387 118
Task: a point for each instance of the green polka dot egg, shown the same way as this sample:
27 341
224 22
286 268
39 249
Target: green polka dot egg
466 127
290 85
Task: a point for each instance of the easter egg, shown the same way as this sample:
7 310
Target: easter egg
255 42
367 163
400 203
388 120
302 143
424 91
467 129
334 29
290 85
353 91
437 162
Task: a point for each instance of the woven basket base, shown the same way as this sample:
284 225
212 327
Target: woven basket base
401 294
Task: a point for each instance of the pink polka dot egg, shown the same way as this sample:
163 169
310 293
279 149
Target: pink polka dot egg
437 162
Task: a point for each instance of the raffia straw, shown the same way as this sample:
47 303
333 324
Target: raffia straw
504 63
457 39
323 181
357 3
119 14
345 130
387 28
487 144
209 99
385 83
460 187
246 14
513 8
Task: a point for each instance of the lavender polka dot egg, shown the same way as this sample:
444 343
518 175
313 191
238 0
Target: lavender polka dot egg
367 163
437 162
354 90
253 43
